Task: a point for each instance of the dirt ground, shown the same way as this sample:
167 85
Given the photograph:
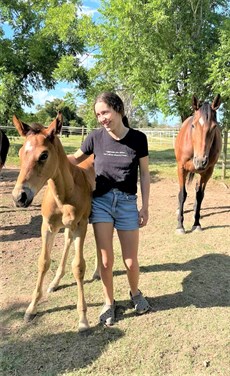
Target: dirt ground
20 228
185 278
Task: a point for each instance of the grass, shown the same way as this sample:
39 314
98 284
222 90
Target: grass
161 152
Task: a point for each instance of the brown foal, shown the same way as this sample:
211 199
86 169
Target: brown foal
66 203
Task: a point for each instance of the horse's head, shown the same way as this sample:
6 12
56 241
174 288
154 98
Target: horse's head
204 125
38 158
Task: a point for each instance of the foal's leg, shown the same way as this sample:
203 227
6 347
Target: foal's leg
61 269
78 267
43 266
200 188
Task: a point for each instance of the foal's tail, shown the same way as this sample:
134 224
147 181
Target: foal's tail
190 177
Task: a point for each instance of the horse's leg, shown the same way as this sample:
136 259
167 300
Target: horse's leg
61 268
181 200
43 266
200 188
78 267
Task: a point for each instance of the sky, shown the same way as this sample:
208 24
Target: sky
41 96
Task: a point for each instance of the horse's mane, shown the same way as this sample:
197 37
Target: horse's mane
206 112
36 128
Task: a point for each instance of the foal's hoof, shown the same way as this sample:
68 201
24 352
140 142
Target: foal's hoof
96 276
51 289
29 317
83 326
180 231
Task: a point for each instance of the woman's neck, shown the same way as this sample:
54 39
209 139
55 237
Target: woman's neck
119 133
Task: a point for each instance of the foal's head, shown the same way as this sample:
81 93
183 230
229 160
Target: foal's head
38 158
203 131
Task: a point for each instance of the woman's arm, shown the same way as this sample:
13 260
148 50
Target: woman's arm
77 157
145 188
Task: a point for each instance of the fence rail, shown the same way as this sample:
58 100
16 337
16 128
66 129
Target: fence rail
155 136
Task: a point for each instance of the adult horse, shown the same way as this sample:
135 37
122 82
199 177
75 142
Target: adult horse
66 203
4 147
197 149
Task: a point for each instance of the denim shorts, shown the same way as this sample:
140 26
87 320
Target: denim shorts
115 207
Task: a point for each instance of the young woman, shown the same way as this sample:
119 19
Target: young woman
119 152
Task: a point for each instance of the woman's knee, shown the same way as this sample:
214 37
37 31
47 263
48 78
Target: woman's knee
107 264
131 265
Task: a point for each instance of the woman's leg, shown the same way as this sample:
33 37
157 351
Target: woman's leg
104 239
129 244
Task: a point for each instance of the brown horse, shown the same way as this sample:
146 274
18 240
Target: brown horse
66 203
4 147
197 149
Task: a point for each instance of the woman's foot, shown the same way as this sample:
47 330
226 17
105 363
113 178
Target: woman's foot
141 305
107 315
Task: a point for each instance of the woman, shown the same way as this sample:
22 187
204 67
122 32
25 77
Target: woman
119 151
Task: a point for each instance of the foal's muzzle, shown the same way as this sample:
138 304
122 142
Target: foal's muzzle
22 196
200 163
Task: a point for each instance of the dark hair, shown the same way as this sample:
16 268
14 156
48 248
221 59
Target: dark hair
114 101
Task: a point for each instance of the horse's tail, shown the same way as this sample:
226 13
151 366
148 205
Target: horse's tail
4 147
190 177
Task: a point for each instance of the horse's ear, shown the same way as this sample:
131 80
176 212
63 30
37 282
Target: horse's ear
59 119
55 127
195 103
21 127
216 102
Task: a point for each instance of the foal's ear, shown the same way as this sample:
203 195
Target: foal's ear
195 103
216 102
55 127
21 127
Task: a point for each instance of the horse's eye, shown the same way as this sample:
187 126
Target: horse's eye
43 157
193 126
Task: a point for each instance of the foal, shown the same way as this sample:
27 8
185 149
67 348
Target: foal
66 203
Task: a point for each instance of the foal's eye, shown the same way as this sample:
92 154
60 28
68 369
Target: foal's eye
43 156
193 126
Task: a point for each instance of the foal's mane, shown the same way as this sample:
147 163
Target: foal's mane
36 128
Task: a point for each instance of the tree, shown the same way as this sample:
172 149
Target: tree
156 50
220 81
44 46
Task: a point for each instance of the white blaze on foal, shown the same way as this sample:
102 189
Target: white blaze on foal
28 146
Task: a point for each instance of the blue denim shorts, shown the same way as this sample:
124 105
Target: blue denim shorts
115 207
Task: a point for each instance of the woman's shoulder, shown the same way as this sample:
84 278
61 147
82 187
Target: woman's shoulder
97 132
137 133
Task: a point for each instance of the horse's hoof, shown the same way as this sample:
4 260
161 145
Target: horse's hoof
51 289
29 317
180 231
83 326
197 228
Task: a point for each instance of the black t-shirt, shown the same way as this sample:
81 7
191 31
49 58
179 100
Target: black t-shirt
116 161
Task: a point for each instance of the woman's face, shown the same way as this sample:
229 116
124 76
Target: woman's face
107 116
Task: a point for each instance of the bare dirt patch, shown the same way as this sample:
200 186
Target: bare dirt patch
186 279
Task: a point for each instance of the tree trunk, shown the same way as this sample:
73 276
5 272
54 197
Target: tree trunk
224 162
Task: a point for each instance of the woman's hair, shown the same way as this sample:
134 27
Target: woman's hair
114 101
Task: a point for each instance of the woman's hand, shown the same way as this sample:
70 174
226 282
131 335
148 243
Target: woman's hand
143 217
